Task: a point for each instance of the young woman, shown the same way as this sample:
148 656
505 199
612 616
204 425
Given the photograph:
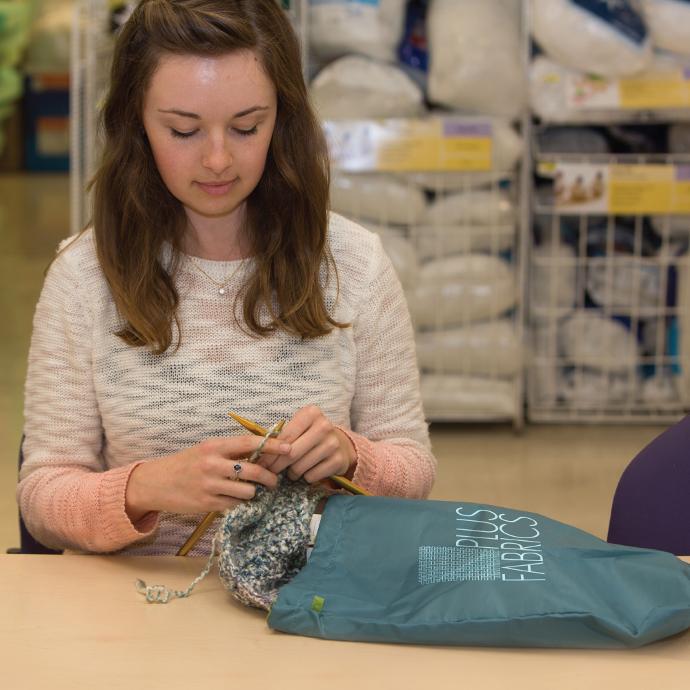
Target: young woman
213 279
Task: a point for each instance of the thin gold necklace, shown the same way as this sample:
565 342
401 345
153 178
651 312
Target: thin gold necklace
222 285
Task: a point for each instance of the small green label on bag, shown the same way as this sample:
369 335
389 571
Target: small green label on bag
317 603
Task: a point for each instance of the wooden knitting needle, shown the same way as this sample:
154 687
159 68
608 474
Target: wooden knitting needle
197 533
210 517
344 482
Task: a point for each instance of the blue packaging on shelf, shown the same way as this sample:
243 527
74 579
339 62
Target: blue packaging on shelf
46 122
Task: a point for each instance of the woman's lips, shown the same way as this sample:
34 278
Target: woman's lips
216 188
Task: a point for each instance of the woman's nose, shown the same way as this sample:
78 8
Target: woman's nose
217 156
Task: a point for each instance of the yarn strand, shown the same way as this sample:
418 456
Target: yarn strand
160 594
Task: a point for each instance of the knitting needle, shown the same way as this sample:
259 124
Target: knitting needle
210 517
197 533
336 479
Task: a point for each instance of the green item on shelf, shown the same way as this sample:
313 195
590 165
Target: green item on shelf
10 85
14 17
14 30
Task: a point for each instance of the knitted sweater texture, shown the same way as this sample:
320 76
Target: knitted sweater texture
96 407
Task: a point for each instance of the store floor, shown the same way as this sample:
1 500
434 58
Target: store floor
568 473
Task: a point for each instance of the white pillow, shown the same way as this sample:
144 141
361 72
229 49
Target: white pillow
552 282
475 56
609 39
669 23
480 207
462 289
374 28
490 349
357 87
591 340
625 284
380 198
435 241
467 398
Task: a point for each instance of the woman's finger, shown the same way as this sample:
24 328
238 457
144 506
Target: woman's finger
267 461
303 419
329 447
244 446
323 470
243 472
231 488
315 456
302 447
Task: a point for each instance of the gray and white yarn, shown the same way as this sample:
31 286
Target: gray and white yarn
260 545
263 543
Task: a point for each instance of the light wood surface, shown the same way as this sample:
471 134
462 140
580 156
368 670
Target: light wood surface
77 622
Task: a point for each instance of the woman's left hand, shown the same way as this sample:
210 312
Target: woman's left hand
319 449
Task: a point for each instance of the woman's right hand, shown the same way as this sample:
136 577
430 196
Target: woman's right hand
200 479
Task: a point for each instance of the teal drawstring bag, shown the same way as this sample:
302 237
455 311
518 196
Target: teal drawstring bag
456 573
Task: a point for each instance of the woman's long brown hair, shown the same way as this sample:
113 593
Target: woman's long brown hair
287 213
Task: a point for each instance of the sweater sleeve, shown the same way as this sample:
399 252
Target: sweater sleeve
67 497
389 431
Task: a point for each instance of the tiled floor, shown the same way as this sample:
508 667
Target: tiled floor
565 472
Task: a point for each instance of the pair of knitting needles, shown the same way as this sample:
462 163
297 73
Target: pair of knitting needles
258 430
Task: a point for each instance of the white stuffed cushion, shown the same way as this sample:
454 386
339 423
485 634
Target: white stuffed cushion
490 349
375 28
669 23
380 198
357 87
475 54
582 40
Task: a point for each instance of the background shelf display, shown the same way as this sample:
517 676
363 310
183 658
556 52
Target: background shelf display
433 165
607 298
532 291
608 259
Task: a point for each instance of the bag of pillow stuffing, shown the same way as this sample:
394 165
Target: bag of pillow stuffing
598 36
461 35
669 24
369 27
456 573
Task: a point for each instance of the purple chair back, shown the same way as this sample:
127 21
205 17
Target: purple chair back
651 506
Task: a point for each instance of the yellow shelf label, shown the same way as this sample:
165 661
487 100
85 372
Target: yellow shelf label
662 90
410 145
590 189
651 90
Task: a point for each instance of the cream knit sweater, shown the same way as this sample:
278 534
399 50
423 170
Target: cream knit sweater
95 406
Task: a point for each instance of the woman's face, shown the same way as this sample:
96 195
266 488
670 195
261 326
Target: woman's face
209 121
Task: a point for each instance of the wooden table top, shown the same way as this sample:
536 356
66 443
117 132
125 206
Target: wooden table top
77 622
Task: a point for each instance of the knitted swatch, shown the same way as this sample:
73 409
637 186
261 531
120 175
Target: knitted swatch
262 543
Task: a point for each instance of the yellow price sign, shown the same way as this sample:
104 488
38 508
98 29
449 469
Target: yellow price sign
660 90
411 145
642 189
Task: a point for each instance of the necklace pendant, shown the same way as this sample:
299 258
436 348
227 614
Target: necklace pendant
221 291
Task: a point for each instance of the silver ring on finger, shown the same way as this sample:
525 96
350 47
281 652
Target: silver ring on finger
237 468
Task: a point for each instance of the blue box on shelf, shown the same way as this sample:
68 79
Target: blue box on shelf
46 122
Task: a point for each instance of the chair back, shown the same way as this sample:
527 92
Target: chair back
651 506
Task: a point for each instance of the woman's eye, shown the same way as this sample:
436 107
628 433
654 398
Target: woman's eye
247 132
183 135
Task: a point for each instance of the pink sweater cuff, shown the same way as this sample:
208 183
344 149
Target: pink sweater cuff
115 526
386 468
